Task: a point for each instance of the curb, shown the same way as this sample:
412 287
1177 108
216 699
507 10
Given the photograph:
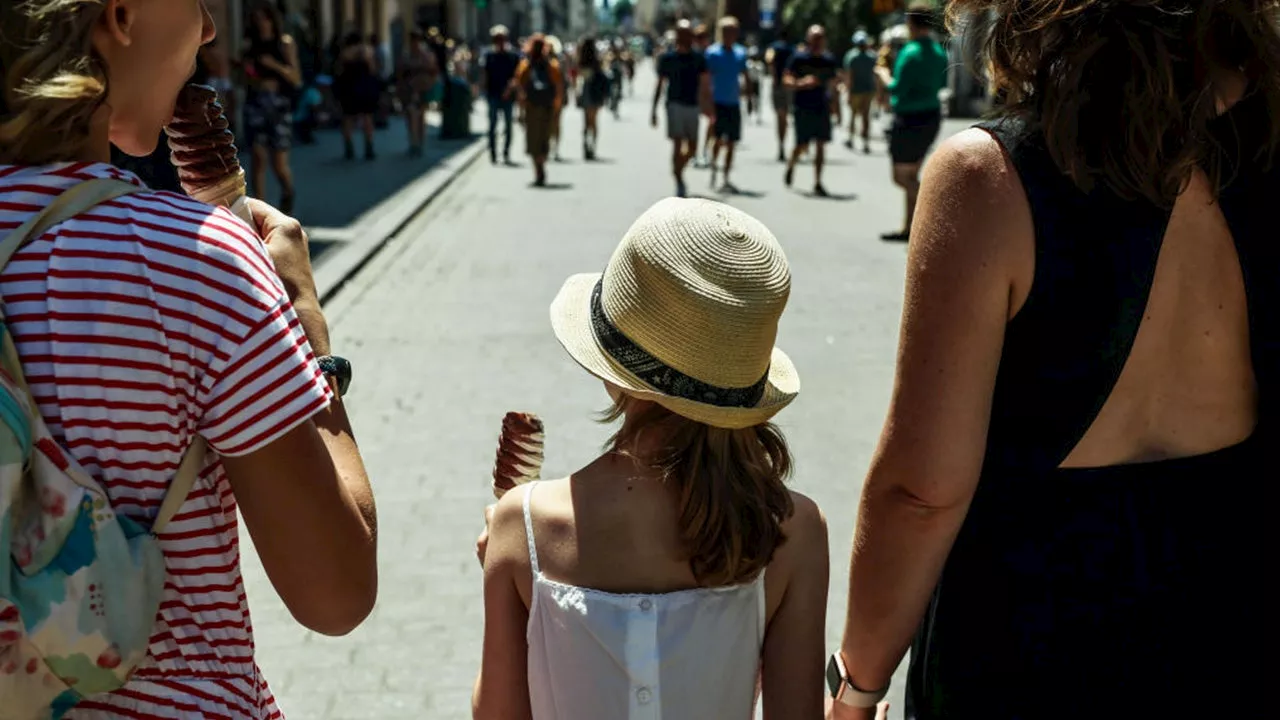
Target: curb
362 242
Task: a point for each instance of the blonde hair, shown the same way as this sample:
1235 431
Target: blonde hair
730 485
54 81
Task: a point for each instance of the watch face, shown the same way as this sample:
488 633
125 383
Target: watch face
834 677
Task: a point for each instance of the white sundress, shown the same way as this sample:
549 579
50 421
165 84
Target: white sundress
686 655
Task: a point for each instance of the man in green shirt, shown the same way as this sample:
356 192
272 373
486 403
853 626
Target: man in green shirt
918 77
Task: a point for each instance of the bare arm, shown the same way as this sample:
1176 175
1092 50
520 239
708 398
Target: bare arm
793 656
704 92
305 498
502 689
971 232
657 97
291 68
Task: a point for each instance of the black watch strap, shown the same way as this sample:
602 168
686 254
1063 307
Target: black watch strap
338 368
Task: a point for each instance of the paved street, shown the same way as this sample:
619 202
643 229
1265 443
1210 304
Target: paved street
448 330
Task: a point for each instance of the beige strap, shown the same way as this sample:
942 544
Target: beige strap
180 487
69 204
72 202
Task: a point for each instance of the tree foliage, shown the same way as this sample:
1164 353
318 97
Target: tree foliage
622 9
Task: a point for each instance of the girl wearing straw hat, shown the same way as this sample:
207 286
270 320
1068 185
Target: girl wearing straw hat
675 571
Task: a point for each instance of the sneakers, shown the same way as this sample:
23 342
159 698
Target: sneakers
819 191
791 175
681 191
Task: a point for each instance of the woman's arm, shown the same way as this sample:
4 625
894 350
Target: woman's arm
305 497
794 653
291 68
970 241
502 689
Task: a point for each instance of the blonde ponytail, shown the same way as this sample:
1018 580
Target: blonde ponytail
54 81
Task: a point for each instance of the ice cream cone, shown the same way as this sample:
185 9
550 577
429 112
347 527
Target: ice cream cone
203 151
230 192
520 448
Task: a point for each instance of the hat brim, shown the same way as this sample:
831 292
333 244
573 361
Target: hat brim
571 321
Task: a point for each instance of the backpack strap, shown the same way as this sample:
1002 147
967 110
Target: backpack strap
69 204
72 202
180 486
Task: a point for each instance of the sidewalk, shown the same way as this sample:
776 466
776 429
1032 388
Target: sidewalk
350 207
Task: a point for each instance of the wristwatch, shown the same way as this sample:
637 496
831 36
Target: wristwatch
338 368
844 691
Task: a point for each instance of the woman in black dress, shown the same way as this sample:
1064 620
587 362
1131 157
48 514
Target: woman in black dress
273 73
593 93
357 88
1068 509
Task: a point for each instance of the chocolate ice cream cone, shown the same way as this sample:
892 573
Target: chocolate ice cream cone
520 449
204 151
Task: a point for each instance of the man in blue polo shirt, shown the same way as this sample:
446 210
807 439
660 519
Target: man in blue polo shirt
727 63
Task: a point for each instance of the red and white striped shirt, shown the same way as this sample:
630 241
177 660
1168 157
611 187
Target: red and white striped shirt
141 323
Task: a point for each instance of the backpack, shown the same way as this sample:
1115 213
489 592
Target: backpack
539 90
80 586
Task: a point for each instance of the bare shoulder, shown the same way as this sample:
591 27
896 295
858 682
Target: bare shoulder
805 531
973 210
972 167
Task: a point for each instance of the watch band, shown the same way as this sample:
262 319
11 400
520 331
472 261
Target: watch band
844 692
337 368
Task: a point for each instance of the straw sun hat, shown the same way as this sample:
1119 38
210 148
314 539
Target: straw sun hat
686 314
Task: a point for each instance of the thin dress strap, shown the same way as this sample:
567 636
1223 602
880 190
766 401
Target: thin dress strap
528 530
762 608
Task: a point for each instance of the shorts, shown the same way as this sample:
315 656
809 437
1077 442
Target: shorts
860 103
728 125
781 97
268 121
537 130
682 121
812 126
911 136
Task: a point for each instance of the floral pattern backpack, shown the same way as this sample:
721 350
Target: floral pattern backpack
80 586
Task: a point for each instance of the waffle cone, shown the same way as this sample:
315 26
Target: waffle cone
225 192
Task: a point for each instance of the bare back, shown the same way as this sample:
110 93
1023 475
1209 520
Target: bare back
1188 386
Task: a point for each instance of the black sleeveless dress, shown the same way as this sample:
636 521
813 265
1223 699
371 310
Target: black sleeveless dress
1136 591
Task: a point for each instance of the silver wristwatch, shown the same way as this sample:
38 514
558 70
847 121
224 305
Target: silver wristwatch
843 690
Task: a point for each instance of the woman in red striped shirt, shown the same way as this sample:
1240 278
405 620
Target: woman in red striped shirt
152 319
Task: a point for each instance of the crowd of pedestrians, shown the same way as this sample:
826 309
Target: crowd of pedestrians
536 83
1066 514
710 80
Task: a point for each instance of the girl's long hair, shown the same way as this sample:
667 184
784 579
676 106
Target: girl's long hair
1124 91
273 16
588 54
54 81
729 484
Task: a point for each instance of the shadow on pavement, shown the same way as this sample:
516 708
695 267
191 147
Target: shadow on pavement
319 248
333 192
552 186
739 192
831 196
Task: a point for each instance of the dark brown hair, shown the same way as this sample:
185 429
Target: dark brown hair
1124 92
730 485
